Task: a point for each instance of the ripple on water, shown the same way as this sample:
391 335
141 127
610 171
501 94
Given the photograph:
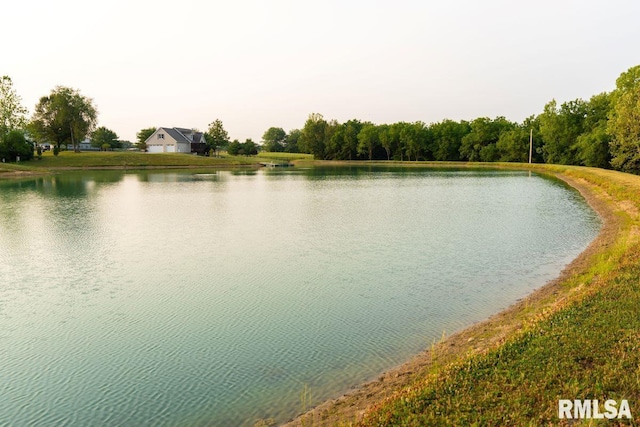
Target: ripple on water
216 302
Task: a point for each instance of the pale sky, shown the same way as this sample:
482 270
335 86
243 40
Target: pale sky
256 64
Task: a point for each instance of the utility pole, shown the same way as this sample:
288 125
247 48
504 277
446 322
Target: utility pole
530 144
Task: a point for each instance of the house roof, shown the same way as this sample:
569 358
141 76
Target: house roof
183 134
176 134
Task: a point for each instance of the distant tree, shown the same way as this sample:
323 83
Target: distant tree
447 139
234 148
216 136
13 144
593 145
388 139
349 149
368 139
479 143
291 141
65 116
513 145
624 123
560 129
249 148
102 137
12 113
414 139
143 135
312 140
125 144
274 139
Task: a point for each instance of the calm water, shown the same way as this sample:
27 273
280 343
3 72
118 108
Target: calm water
166 299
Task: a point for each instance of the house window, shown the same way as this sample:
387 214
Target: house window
161 136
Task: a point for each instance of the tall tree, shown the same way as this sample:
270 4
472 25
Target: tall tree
291 141
624 123
249 148
143 135
368 139
103 137
65 116
447 139
388 139
216 136
274 139
480 143
12 113
592 145
234 148
312 140
560 129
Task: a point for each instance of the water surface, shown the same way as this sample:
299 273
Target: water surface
167 298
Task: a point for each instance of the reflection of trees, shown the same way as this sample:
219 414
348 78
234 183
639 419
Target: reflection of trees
173 176
53 197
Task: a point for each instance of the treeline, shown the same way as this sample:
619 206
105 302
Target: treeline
602 132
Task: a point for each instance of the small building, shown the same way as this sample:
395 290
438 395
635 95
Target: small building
176 140
84 145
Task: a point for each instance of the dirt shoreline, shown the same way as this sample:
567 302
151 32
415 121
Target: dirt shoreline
477 338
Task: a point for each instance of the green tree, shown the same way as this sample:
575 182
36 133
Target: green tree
142 136
414 140
479 143
593 145
102 137
388 139
13 145
65 116
291 141
343 142
447 139
12 113
274 139
216 136
368 139
513 145
624 122
312 139
234 148
249 148
560 129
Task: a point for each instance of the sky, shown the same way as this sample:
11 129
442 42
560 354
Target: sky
257 64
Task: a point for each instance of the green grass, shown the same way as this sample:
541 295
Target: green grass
288 157
70 159
586 347
132 160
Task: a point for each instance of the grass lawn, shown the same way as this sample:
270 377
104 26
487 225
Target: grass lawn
132 160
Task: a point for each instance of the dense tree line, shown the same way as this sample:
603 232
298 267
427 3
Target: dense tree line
602 132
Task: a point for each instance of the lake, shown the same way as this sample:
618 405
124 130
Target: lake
218 298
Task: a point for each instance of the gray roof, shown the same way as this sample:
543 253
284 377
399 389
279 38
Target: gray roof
176 134
183 134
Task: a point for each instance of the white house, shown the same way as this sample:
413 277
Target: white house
175 140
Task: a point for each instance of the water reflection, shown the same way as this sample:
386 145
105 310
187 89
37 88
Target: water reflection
210 298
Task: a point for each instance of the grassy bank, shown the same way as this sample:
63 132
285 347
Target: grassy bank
576 338
135 160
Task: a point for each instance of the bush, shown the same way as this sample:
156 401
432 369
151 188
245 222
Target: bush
14 145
